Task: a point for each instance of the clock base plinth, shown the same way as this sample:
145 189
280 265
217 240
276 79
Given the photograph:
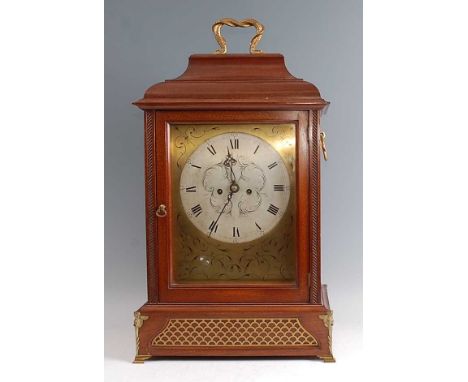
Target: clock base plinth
234 330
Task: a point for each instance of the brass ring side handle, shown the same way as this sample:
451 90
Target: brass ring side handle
161 211
323 145
237 23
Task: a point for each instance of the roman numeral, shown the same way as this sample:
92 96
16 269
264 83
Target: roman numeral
260 228
196 210
278 187
211 149
273 209
191 189
274 164
213 227
235 232
255 152
194 165
234 143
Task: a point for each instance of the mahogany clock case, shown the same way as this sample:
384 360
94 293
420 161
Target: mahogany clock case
233 320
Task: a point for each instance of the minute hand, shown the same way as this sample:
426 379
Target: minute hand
224 207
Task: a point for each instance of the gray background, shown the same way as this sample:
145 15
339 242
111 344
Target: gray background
148 41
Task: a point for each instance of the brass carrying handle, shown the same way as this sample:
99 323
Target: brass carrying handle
161 211
236 23
323 145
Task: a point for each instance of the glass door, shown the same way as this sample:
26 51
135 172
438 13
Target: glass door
233 230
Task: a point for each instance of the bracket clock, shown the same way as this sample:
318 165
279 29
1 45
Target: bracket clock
232 159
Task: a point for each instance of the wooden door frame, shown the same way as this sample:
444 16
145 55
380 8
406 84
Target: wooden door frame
158 191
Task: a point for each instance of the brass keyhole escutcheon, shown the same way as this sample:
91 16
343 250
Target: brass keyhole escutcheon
161 211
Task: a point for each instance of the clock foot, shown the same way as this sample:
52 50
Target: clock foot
141 358
327 358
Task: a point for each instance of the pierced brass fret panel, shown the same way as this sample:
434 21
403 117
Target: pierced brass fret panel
229 332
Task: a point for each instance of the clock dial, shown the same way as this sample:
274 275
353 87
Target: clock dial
233 202
235 187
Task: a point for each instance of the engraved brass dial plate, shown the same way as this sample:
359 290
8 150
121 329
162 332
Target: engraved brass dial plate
233 197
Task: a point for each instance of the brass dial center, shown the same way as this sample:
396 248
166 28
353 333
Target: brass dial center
234 188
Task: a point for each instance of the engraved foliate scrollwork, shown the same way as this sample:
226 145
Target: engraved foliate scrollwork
199 257
186 137
252 178
214 178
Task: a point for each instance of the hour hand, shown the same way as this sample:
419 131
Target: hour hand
229 161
